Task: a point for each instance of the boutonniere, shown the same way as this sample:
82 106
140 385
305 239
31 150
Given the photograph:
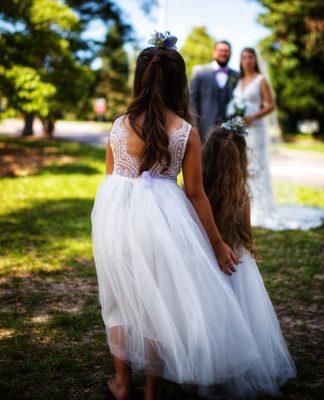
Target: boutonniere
232 79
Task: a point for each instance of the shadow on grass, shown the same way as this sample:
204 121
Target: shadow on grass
56 147
47 229
52 337
67 169
55 354
21 157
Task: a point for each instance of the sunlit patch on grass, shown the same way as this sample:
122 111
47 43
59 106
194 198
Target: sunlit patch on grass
6 333
40 319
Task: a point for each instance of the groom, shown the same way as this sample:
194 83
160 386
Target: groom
211 89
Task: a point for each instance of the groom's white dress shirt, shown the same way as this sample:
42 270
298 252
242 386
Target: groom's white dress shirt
221 77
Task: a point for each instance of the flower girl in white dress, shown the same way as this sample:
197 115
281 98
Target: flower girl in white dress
167 305
225 175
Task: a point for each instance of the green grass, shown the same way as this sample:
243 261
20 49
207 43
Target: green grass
289 193
52 337
301 143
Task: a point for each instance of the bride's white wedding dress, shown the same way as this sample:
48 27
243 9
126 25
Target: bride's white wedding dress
167 307
264 212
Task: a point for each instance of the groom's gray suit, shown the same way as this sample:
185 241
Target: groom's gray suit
208 100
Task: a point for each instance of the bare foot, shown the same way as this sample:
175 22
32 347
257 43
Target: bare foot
120 391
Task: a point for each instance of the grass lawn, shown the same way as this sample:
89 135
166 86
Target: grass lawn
52 337
301 143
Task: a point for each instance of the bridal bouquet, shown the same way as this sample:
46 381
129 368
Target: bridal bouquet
237 108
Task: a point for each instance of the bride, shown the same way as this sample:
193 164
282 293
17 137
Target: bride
253 100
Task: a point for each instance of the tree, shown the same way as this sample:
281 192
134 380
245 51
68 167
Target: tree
197 48
36 34
113 77
45 36
295 55
27 93
73 82
104 10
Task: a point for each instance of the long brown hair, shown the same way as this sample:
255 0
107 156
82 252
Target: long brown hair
160 83
225 173
253 52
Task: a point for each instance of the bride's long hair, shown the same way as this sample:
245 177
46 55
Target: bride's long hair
225 173
160 83
250 50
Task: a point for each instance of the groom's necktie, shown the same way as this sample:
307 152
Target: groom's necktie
224 70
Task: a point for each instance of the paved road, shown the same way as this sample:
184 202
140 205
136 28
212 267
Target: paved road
300 167
85 132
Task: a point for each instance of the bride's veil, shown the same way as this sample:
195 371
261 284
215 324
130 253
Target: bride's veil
287 192
271 121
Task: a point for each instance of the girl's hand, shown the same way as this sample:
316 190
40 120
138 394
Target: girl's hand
226 258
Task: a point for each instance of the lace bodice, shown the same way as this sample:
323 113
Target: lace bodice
128 165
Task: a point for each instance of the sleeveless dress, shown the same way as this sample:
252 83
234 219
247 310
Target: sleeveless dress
264 212
167 307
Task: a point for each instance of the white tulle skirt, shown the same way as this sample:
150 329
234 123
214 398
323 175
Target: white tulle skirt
167 307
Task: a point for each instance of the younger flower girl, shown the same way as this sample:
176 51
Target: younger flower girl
225 173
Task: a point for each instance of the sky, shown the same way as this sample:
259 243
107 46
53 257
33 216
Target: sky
233 20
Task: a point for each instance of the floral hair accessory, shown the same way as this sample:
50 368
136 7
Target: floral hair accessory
236 125
163 40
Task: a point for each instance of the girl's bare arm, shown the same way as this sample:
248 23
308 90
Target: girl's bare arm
247 219
109 160
268 103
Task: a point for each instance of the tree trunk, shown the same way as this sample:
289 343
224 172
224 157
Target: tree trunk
28 127
48 126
